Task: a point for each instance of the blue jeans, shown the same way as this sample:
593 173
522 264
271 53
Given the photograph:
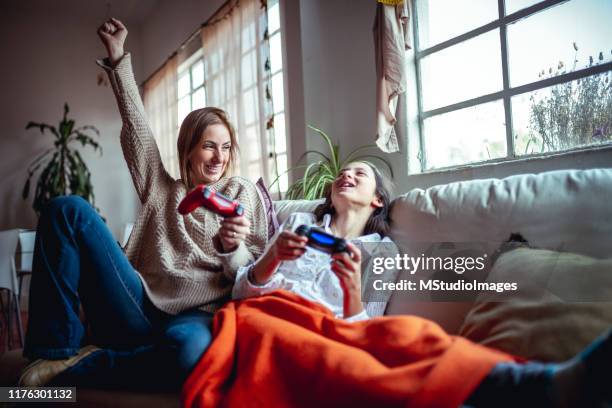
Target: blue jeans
77 261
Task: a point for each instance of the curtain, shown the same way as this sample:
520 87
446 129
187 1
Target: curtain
160 99
237 74
391 40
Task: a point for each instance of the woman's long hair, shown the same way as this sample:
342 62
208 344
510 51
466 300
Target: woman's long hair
190 136
379 220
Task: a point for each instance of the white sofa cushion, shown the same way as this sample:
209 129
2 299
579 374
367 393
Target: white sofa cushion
540 320
567 210
285 208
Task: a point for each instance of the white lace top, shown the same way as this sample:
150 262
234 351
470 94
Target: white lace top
310 276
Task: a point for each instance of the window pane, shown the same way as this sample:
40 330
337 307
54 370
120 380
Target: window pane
565 116
248 37
249 69
183 85
439 21
273 17
516 5
564 38
278 96
254 171
280 138
466 136
276 54
198 99
197 74
250 106
184 107
463 71
251 143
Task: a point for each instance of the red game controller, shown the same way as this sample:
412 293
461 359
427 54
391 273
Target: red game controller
203 196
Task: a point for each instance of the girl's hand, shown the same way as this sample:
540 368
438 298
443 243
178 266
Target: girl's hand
113 34
347 267
287 247
233 230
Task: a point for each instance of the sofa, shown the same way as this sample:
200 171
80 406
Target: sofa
566 211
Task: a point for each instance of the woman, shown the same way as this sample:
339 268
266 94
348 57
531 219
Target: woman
295 352
149 309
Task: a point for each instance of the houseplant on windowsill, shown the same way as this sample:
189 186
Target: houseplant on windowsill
65 171
319 174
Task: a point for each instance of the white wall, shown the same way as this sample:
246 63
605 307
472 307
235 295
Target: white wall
339 93
48 59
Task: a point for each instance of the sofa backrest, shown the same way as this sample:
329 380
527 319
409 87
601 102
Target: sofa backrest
568 210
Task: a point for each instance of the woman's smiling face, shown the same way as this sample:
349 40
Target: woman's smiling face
208 160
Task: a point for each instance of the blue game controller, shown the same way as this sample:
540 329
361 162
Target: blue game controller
321 240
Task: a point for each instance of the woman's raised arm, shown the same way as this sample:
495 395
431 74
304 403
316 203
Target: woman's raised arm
137 141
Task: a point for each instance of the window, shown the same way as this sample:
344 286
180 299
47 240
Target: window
278 144
503 79
190 87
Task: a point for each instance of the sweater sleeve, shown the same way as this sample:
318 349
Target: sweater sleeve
137 141
252 247
244 288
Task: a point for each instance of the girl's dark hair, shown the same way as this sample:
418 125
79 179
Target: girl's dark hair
379 220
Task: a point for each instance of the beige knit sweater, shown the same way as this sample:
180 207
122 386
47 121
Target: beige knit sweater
178 257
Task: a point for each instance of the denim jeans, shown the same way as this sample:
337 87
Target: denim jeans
77 261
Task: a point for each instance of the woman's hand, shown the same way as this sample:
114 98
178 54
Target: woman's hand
233 230
113 34
347 267
287 246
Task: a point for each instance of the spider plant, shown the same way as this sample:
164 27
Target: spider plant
318 175
64 170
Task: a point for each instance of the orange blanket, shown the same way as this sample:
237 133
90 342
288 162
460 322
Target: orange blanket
281 350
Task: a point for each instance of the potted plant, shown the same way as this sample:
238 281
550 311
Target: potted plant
321 173
64 170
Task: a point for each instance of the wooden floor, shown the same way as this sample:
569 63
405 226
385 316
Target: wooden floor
14 335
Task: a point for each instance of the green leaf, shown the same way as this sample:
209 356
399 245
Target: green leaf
88 127
330 145
65 128
87 140
303 156
42 127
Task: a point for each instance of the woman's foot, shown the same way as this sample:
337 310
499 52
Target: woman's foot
582 382
40 372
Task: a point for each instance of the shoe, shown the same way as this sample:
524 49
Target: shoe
41 372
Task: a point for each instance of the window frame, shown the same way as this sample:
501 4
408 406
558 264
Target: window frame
185 68
505 94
